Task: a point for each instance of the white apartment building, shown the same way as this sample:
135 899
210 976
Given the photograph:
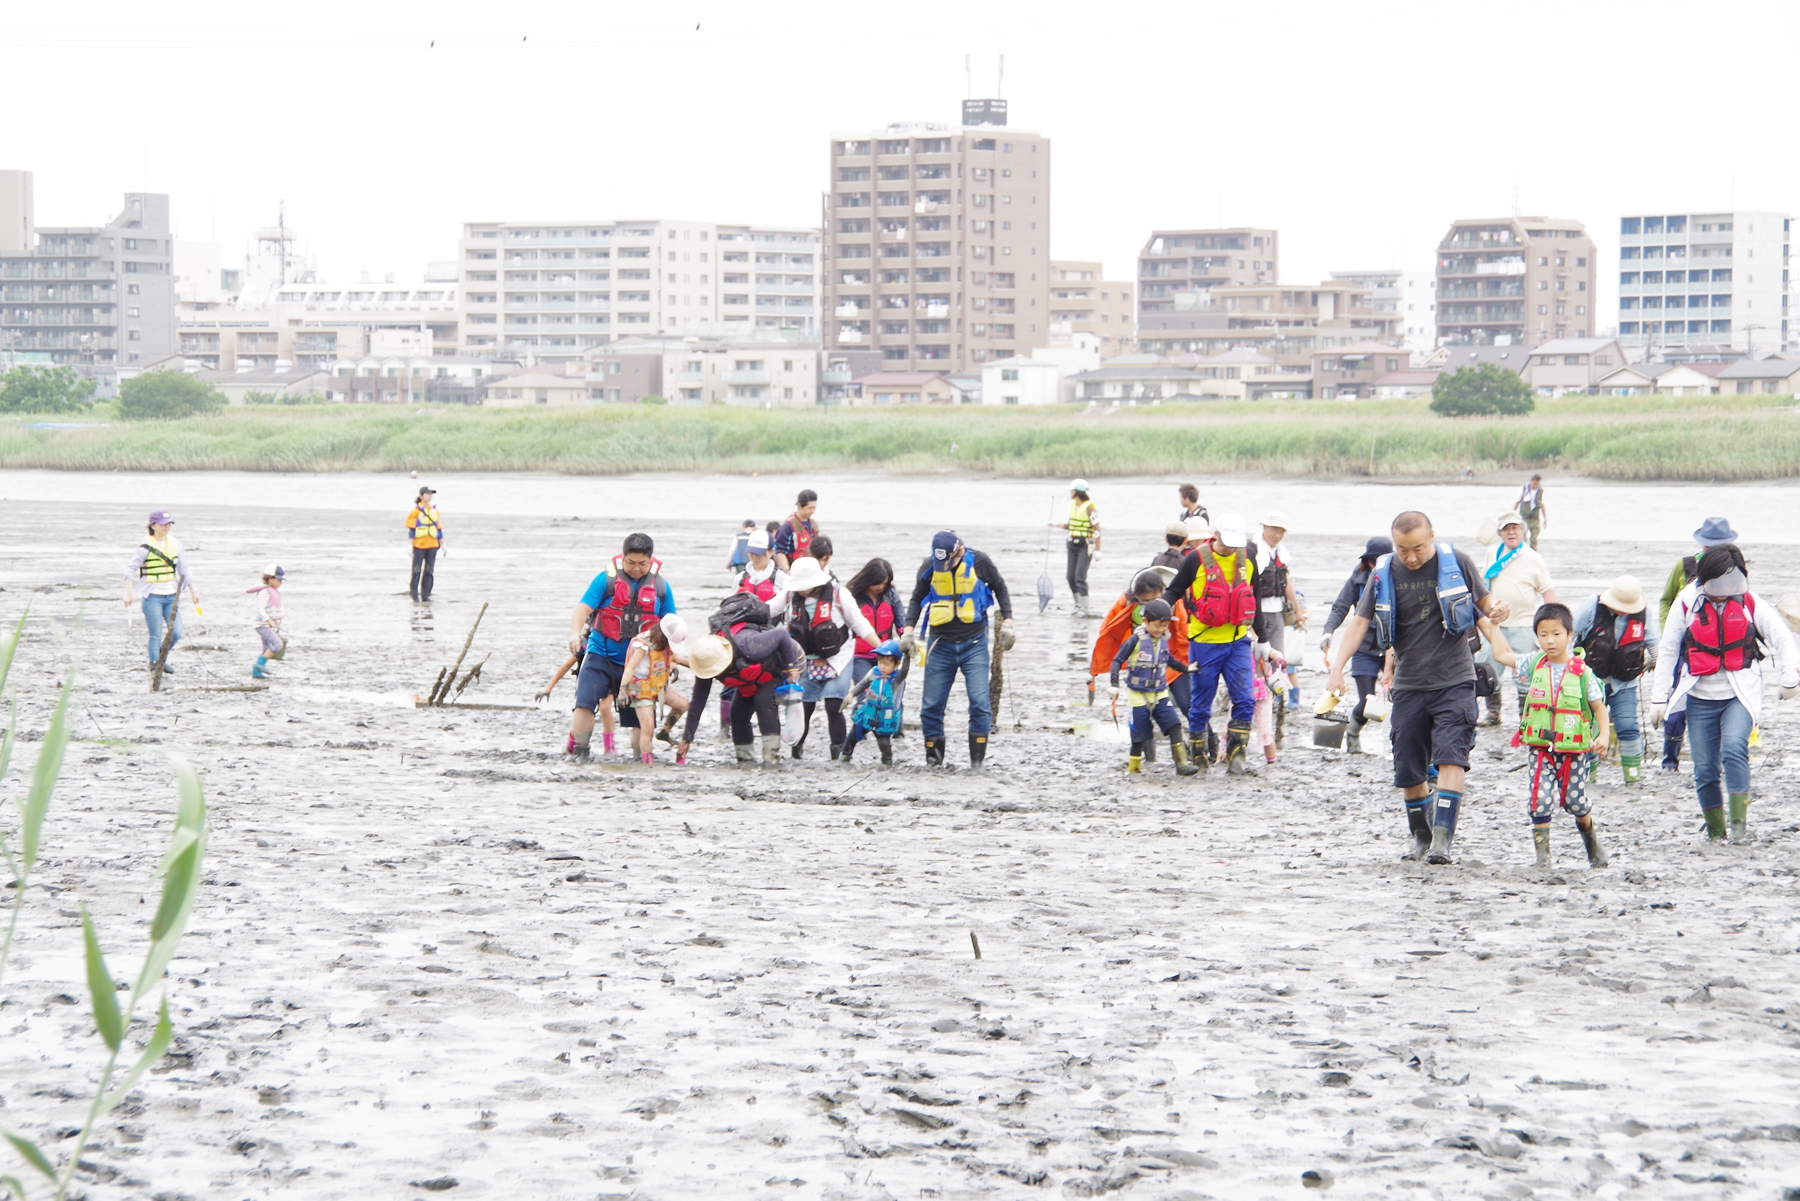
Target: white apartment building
1717 281
550 290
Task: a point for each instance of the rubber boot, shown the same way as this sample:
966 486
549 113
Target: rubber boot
1134 765
1540 838
666 731
1493 711
579 752
1150 751
1443 829
886 744
843 753
837 749
977 751
1353 737
934 752
1237 744
1715 824
1418 824
1738 806
1197 756
256 669
1633 767
606 740
1590 838
746 754
771 748
1671 760
1178 751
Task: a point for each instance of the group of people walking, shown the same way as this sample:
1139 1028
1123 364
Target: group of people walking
1419 626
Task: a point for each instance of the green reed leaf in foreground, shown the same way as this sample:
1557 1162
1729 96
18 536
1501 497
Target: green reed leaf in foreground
12 646
181 875
33 1156
101 988
43 776
153 1051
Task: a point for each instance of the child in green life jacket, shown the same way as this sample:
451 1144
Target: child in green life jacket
1563 725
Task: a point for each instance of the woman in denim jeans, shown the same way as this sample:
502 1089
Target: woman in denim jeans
1721 686
157 574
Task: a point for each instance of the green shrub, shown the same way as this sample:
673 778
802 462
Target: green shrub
45 390
1485 390
160 395
654 399
259 398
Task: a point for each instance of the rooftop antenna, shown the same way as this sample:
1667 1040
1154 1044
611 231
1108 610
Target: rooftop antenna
1515 211
281 224
968 75
1000 85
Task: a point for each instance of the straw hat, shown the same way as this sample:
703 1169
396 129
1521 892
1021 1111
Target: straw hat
709 655
807 574
1624 595
1199 530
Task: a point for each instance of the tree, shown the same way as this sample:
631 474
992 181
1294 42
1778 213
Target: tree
158 395
1485 389
45 390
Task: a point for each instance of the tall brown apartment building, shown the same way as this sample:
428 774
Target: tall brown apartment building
1083 301
1518 280
937 242
1176 265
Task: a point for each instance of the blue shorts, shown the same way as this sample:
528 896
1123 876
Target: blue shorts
1431 728
600 678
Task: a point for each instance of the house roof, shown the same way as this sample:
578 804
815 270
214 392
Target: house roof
1642 372
1761 369
1574 346
1713 369
1513 358
1398 378
899 379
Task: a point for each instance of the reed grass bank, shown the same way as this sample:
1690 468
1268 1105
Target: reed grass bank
1634 438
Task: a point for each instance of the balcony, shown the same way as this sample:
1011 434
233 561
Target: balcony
935 310
690 377
848 309
750 377
1501 267
849 336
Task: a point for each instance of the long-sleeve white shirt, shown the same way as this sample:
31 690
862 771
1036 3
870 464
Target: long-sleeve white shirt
844 613
1747 684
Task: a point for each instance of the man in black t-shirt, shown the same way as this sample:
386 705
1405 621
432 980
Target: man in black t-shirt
1431 671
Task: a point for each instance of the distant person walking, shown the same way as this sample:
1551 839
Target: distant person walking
1714 531
1365 657
425 531
1191 508
1520 579
1175 540
1275 594
739 557
1422 601
1531 507
155 579
1084 541
1709 664
793 537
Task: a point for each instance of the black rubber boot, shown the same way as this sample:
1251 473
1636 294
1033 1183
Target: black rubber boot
837 751
934 752
1237 748
1493 711
1418 824
842 754
1179 752
581 753
1197 754
977 751
1540 840
1353 737
887 749
1590 838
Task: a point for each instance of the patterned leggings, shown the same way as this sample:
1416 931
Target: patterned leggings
1557 776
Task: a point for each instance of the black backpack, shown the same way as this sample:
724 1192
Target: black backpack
738 610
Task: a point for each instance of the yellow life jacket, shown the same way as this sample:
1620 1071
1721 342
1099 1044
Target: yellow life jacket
426 525
656 668
1081 519
160 562
957 594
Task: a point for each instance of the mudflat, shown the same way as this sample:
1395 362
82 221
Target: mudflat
433 957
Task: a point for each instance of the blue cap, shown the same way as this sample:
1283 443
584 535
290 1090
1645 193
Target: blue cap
943 544
1715 531
889 649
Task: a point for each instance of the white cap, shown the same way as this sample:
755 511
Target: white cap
675 629
1276 518
1230 529
759 541
1078 485
1506 519
275 570
807 574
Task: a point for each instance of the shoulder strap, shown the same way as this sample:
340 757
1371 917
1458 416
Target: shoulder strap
169 561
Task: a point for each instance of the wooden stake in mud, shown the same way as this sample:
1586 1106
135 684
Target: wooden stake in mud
156 673
474 673
435 685
438 699
976 943
996 679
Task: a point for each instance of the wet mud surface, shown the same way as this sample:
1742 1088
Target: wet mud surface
431 951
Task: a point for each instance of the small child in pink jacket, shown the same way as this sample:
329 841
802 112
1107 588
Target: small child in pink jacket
268 619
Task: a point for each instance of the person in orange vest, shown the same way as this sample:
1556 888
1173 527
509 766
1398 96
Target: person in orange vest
425 530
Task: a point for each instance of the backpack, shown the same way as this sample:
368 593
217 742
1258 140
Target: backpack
738 610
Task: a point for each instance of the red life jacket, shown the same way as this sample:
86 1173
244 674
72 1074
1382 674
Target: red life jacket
748 677
1617 659
822 637
1221 603
764 591
630 604
803 536
882 617
1721 637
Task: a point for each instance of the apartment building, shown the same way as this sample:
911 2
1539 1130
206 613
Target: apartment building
553 290
1177 266
316 325
99 298
1717 281
1284 322
937 242
1515 281
1083 301
705 371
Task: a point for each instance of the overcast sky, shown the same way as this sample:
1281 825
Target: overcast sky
1358 128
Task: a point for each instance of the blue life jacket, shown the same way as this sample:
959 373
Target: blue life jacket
957 594
1145 669
1454 600
879 712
